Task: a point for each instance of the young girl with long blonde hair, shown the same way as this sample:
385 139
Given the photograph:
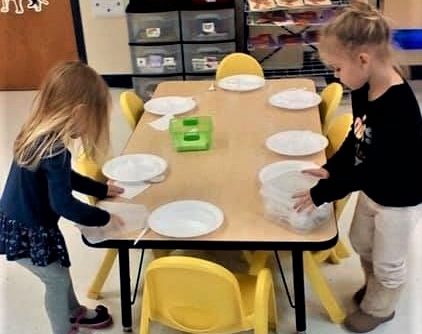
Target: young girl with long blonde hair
379 158
73 103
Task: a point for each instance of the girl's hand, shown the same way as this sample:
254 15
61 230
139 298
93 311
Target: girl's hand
321 173
303 201
113 190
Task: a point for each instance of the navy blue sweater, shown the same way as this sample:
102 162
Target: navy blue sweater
381 157
41 196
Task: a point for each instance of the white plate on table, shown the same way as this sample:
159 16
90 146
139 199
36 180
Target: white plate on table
134 167
296 142
170 105
185 219
295 99
275 169
241 82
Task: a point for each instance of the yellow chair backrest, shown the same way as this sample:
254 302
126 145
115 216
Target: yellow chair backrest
331 97
198 296
238 63
88 167
337 130
132 106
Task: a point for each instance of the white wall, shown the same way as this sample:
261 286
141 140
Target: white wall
106 41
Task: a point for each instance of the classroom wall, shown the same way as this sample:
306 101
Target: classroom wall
106 41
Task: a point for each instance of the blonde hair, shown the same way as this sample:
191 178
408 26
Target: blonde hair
359 25
70 89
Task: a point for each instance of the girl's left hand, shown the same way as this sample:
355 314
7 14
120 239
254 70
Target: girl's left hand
303 201
112 190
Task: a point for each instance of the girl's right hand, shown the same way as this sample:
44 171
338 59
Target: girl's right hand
321 173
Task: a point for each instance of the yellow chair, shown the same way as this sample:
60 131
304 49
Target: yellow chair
238 63
336 131
132 107
90 168
198 296
331 97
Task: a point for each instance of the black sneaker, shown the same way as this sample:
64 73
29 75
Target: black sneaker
102 320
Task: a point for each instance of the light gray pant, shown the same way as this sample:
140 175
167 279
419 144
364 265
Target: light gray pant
381 236
60 299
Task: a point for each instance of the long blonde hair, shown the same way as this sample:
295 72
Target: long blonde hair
359 25
72 97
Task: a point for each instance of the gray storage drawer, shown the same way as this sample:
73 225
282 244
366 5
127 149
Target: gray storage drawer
145 86
213 25
160 59
204 58
153 27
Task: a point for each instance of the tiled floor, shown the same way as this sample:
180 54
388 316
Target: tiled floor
21 294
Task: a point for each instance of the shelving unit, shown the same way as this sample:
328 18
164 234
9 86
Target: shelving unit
178 40
155 44
208 35
284 39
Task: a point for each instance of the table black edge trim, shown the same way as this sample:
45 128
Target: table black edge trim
215 245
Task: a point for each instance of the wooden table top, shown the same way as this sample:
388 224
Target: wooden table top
227 174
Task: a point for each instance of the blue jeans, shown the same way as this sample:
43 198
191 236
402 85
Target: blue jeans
60 299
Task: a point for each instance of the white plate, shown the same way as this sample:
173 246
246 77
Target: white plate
170 105
296 142
295 99
241 82
185 219
134 167
275 169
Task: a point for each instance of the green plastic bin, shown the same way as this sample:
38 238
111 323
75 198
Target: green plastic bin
191 133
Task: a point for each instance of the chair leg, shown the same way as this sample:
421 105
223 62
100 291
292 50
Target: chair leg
322 289
341 250
145 309
256 260
102 274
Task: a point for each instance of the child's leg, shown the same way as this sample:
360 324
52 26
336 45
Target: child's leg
393 227
362 232
57 290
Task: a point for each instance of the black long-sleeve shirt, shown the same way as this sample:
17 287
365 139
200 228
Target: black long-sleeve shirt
382 153
41 196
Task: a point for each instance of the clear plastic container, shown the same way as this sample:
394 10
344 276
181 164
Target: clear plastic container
277 195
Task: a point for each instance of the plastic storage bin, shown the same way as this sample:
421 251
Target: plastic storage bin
191 133
204 58
408 39
153 27
160 59
208 25
145 86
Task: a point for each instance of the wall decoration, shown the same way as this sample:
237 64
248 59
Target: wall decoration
37 4
5 6
18 5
